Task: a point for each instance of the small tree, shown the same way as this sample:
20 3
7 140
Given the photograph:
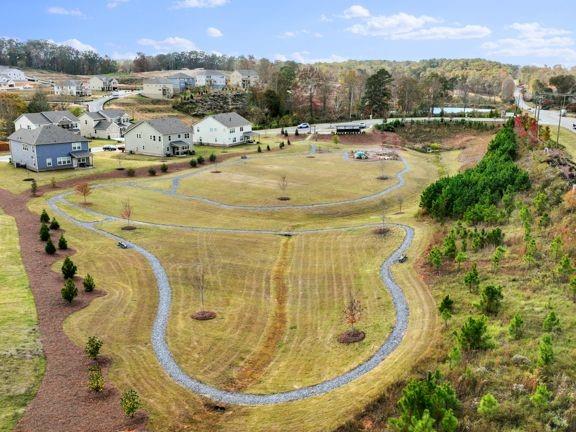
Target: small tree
446 304
353 313
193 163
449 248
69 291
126 211
573 289
95 379
516 327
551 322
212 158
268 147
460 258
83 189
44 232
259 150
54 225
200 160
130 402
473 335
44 218
488 406
472 279
491 299
497 257
541 397
435 258
130 172
62 243
33 188
89 284
283 185
164 168
556 248
545 352
50 248
68 268
93 346
564 268
151 172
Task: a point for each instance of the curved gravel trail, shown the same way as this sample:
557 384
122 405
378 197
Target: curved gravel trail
164 355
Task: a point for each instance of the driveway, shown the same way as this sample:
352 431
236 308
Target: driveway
98 104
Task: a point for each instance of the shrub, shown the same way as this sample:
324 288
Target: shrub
473 335
44 232
259 149
54 225
50 248
151 172
62 243
212 158
130 402
551 322
164 168
472 278
488 406
69 291
201 160
267 147
491 299
541 397
545 351
89 283
130 172
447 304
44 218
193 163
95 379
435 258
516 327
68 269
92 348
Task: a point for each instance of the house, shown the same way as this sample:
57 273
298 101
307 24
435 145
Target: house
244 78
6 82
160 88
225 130
13 73
182 81
49 148
103 83
63 119
159 137
104 124
211 78
72 88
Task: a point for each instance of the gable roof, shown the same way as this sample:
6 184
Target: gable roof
230 119
71 83
49 117
158 81
104 79
165 126
180 75
105 114
247 72
103 125
44 135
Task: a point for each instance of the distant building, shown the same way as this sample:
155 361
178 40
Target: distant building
6 82
72 88
244 78
103 83
225 130
49 148
211 78
159 137
104 124
63 119
160 88
182 81
13 73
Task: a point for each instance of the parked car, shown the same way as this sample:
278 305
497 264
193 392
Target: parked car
303 126
116 94
122 245
402 259
109 148
363 125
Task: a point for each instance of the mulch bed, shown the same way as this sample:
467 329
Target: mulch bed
63 402
204 315
284 198
128 228
351 336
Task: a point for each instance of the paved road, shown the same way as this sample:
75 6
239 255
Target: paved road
98 104
166 359
547 117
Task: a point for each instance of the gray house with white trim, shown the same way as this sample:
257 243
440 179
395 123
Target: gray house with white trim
159 137
49 148
64 119
104 124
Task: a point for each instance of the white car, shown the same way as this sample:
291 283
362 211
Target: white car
116 94
303 126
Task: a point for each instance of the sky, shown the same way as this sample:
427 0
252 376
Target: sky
526 32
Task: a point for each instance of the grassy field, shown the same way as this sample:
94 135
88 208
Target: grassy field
568 140
21 357
142 108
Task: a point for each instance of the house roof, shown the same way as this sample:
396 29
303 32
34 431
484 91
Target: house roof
158 81
103 78
49 117
106 114
165 126
71 83
230 119
211 72
44 135
179 144
180 75
247 72
103 125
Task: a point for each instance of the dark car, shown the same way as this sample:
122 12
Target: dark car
122 245
403 258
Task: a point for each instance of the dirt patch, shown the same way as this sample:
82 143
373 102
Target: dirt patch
351 336
63 402
204 315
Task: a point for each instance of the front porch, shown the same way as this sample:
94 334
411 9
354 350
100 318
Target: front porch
81 159
179 148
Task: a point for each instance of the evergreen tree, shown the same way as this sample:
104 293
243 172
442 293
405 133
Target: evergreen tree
62 243
93 346
44 218
551 322
472 278
44 232
564 268
449 247
545 351
69 291
130 402
491 299
541 397
488 405
89 284
38 103
50 248
473 335
377 93
68 269
516 327
435 258
54 225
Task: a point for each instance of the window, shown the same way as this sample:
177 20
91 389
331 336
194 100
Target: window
85 121
76 146
241 128
65 160
160 138
179 136
234 140
154 138
197 129
25 148
186 135
232 130
49 162
169 138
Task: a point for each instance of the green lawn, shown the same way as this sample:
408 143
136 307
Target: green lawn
568 140
21 357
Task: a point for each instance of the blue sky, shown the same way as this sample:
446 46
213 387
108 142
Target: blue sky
306 31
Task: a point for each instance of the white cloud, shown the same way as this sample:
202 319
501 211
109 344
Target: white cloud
465 32
214 32
115 3
198 4
295 33
304 57
325 18
390 25
288 35
173 43
58 10
535 40
76 44
356 11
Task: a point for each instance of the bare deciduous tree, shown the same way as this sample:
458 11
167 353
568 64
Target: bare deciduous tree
353 312
83 189
126 211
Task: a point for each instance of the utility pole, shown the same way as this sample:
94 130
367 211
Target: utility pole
562 108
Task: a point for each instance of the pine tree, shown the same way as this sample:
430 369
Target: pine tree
69 291
68 269
551 322
472 279
44 232
54 225
50 248
516 327
62 243
545 351
89 284
491 299
44 218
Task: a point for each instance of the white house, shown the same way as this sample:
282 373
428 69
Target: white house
72 88
225 130
13 73
159 137
63 119
244 78
160 88
6 82
211 78
104 124
103 83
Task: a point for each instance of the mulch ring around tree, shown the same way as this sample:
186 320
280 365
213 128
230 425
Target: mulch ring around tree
351 336
284 198
128 228
204 315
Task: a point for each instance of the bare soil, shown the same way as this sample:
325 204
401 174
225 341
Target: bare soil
204 315
351 336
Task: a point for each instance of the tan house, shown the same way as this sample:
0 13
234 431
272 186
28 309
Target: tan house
160 88
244 78
159 137
103 83
72 88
